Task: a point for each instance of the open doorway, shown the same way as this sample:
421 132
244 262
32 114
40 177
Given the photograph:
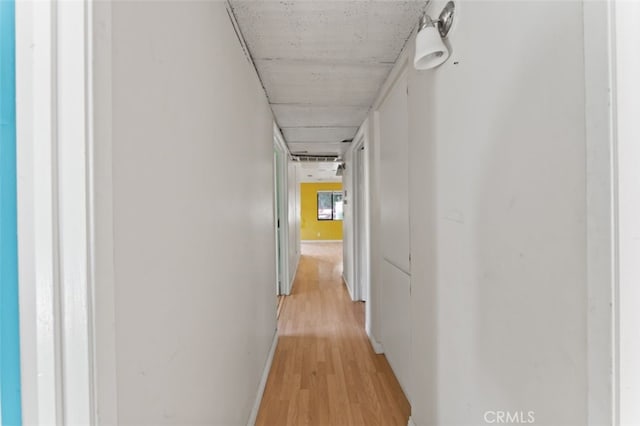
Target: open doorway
322 213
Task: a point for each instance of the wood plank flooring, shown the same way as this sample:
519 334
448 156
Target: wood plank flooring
324 371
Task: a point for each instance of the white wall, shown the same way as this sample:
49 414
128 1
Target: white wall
508 135
395 290
497 189
394 175
627 107
192 311
375 232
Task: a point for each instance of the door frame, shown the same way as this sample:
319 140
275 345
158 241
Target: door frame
360 210
281 211
57 205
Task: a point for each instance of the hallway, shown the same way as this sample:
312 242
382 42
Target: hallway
324 371
469 168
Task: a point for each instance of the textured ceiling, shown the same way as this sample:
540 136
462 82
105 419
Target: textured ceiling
322 62
319 172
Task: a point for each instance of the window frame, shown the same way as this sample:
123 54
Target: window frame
333 205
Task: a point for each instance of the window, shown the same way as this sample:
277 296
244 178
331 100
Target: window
330 205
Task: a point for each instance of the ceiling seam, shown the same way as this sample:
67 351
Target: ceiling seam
327 62
311 104
404 46
300 110
318 127
247 52
243 44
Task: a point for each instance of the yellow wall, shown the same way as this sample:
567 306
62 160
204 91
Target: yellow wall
310 227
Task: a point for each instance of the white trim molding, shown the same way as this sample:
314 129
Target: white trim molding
349 290
293 279
37 233
282 239
377 346
410 422
54 99
102 226
279 139
263 381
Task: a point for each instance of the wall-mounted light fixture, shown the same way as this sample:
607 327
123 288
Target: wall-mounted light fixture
430 49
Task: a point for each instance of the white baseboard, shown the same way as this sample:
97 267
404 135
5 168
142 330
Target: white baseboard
377 346
410 422
320 241
263 381
346 283
294 276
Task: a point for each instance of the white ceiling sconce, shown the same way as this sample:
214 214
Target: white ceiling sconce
430 48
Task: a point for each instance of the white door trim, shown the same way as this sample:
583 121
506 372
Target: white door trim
54 66
360 230
283 236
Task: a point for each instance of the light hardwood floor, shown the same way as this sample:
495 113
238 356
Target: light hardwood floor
324 371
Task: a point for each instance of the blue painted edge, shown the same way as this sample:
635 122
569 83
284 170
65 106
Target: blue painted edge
10 401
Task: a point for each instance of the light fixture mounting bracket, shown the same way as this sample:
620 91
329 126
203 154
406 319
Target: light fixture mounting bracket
445 20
